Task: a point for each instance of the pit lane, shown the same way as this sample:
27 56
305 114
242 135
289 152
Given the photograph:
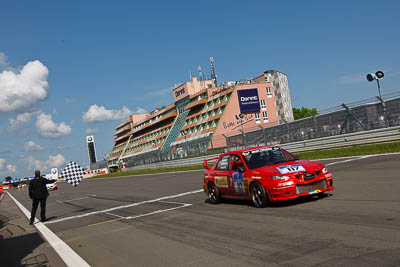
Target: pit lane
146 221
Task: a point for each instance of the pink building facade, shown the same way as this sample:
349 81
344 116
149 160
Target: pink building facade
201 118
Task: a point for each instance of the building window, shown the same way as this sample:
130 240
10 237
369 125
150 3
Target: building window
269 92
257 117
263 105
265 116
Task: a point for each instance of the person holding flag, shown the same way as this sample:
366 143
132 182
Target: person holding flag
38 193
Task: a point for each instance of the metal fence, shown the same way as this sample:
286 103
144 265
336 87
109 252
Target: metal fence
364 115
389 134
368 114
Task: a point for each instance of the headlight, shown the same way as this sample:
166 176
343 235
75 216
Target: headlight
280 177
324 170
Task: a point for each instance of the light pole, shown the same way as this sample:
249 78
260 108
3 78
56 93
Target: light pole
377 76
241 116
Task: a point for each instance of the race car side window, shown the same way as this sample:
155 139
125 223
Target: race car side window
223 163
236 163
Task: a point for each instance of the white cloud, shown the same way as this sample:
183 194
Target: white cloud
31 146
92 130
25 88
20 121
12 168
68 100
2 161
52 162
140 110
3 60
100 113
56 161
46 127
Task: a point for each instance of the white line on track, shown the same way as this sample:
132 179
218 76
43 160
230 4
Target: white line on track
125 206
357 156
70 200
109 213
69 256
170 202
157 211
347 160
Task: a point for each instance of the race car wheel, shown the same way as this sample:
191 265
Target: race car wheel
259 195
213 194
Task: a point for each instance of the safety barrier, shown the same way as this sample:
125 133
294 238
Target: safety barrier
364 137
91 173
360 138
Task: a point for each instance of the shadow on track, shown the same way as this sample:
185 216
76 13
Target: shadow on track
281 204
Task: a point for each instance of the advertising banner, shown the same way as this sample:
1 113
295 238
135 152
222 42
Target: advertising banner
248 100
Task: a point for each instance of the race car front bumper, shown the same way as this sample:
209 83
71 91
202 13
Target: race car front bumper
300 189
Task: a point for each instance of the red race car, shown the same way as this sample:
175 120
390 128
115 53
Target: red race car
264 175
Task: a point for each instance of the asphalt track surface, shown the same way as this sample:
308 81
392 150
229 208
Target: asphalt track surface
140 221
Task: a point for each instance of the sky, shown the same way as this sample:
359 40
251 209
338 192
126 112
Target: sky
69 69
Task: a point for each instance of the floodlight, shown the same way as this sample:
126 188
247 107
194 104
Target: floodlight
371 77
379 74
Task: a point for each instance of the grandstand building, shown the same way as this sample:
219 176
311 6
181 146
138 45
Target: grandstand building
201 117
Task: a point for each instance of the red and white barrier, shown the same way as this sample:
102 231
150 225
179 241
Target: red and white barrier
96 172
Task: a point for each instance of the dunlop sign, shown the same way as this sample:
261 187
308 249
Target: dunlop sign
248 100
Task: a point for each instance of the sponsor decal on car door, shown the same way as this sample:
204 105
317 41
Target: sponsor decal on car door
238 183
222 174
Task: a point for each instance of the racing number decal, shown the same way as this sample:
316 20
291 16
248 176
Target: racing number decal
293 168
290 168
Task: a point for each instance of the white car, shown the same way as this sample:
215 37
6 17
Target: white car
52 186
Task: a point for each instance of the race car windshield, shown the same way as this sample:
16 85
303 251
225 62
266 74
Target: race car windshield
260 158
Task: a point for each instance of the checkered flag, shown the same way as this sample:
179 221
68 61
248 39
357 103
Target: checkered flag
73 173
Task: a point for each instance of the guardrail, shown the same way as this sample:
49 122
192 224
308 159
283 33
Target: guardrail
364 137
359 138
174 163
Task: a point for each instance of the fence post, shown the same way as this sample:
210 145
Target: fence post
383 110
226 141
244 138
288 131
315 126
265 138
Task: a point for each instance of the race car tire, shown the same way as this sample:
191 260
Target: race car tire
213 193
258 195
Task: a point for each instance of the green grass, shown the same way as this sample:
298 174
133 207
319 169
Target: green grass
351 151
147 171
318 154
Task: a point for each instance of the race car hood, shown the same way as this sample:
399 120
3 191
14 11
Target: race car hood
291 167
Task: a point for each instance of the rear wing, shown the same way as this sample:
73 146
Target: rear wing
205 162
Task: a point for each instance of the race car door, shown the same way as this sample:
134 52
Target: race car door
222 175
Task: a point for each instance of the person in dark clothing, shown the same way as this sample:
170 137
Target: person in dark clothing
38 193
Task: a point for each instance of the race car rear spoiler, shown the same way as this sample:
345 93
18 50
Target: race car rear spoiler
205 162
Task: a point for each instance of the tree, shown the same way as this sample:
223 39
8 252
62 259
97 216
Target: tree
300 113
8 178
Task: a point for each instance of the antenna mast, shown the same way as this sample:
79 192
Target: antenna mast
200 74
213 76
